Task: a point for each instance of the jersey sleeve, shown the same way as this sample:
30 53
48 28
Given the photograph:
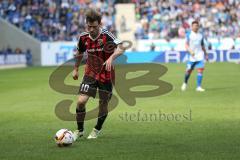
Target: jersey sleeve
112 38
81 45
187 40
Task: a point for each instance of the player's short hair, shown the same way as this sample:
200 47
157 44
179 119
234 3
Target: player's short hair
93 15
195 22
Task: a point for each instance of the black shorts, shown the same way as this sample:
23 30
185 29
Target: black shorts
89 86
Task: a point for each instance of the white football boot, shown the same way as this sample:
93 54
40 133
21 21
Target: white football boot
184 87
200 89
77 134
94 134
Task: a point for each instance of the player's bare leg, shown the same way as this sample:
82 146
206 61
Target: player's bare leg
80 115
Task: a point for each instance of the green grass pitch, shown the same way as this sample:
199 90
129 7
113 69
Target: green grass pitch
28 122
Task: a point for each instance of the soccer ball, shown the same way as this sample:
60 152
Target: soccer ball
64 138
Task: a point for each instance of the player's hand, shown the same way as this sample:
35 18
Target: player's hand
206 57
192 54
108 64
75 74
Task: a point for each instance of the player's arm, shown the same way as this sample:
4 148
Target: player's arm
78 58
188 47
119 49
204 49
117 52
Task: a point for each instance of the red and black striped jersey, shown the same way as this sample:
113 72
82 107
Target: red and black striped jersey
98 50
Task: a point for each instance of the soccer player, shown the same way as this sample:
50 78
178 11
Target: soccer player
99 72
197 54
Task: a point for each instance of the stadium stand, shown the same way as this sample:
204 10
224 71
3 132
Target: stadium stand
62 20
44 26
55 20
172 18
15 56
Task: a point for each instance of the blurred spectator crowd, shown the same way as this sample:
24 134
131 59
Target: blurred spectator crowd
172 18
55 20
63 20
9 51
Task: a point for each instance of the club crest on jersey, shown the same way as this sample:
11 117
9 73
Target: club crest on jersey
86 43
100 42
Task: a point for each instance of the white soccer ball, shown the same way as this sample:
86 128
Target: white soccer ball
64 138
